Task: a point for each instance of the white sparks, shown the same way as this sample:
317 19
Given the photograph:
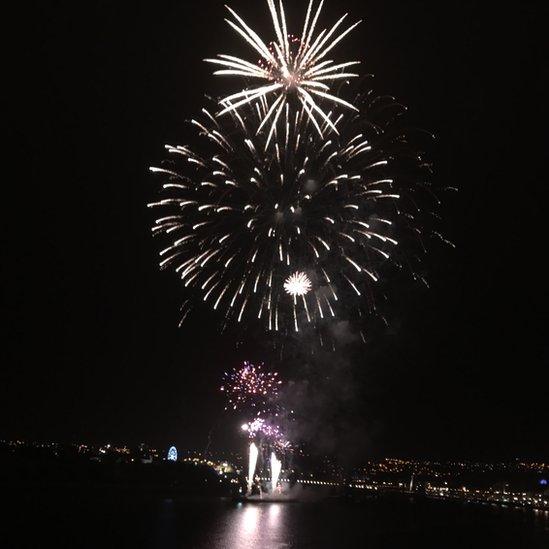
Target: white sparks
287 66
298 285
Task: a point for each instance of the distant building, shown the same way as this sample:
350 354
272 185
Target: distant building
145 454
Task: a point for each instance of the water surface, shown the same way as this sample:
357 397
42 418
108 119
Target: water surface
137 520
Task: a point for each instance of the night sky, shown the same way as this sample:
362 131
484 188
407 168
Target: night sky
92 351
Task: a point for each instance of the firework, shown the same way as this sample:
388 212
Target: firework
290 69
298 285
276 467
267 430
261 427
249 386
252 462
301 234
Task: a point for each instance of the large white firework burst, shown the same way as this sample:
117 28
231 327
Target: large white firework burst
288 67
298 237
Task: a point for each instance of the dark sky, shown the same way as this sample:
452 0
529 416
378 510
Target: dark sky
92 350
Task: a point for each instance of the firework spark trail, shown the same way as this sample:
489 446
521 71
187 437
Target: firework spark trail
240 222
289 68
252 462
276 468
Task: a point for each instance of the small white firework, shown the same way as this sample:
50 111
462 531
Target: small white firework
287 66
298 285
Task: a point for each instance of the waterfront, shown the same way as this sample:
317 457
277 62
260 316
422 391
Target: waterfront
139 519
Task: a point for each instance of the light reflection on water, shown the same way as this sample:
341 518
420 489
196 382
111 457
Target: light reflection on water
380 525
252 526
93 520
